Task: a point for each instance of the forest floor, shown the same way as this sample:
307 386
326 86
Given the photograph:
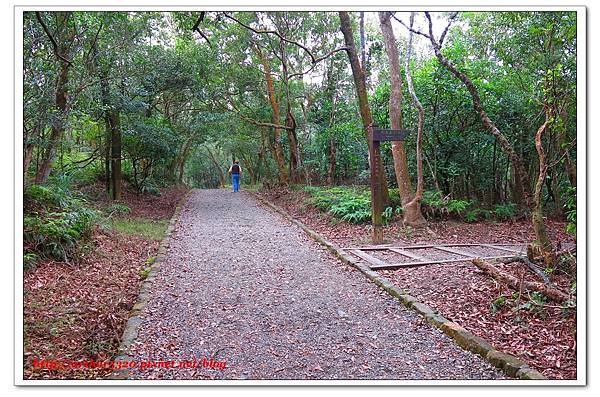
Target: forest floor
542 334
242 287
77 311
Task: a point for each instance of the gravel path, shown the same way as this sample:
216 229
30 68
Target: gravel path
243 286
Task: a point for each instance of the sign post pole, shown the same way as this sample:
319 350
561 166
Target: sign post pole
376 136
376 196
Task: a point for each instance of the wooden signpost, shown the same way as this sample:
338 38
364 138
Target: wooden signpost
377 135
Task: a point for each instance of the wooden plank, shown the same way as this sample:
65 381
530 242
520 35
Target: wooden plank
502 248
455 251
385 247
369 258
409 254
432 262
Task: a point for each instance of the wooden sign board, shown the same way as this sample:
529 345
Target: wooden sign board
389 135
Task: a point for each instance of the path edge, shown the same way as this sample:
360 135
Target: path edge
507 363
132 326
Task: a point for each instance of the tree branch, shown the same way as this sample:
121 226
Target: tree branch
314 59
196 28
409 28
54 44
250 120
450 20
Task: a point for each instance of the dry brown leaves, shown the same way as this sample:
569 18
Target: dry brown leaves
78 311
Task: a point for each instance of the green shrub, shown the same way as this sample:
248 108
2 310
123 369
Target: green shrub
54 224
478 213
571 210
433 199
30 260
38 197
471 216
395 200
458 206
150 187
351 204
353 209
505 211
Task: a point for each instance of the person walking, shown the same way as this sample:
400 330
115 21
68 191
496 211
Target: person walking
235 171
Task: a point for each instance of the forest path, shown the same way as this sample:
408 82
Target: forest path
244 286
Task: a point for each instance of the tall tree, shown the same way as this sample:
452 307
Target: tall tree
542 246
412 214
62 40
413 208
279 156
361 91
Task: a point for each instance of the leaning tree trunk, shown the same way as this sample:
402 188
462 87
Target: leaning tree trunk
516 160
58 125
542 243
279 156
361 91
412 212
541 248
61 44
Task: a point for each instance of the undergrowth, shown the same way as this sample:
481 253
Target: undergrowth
353 204
55 224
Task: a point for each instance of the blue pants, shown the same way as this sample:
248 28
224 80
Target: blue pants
235 179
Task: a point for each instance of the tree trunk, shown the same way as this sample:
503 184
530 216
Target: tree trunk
363 42
395 108
515 283
290 122
107 158
279 156
412 213
217 166
58 125
541 248
112 164
182 159
361 91
332 152
28 152
64 38
331 91
28 156
115 159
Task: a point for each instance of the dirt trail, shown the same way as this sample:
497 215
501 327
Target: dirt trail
243 286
